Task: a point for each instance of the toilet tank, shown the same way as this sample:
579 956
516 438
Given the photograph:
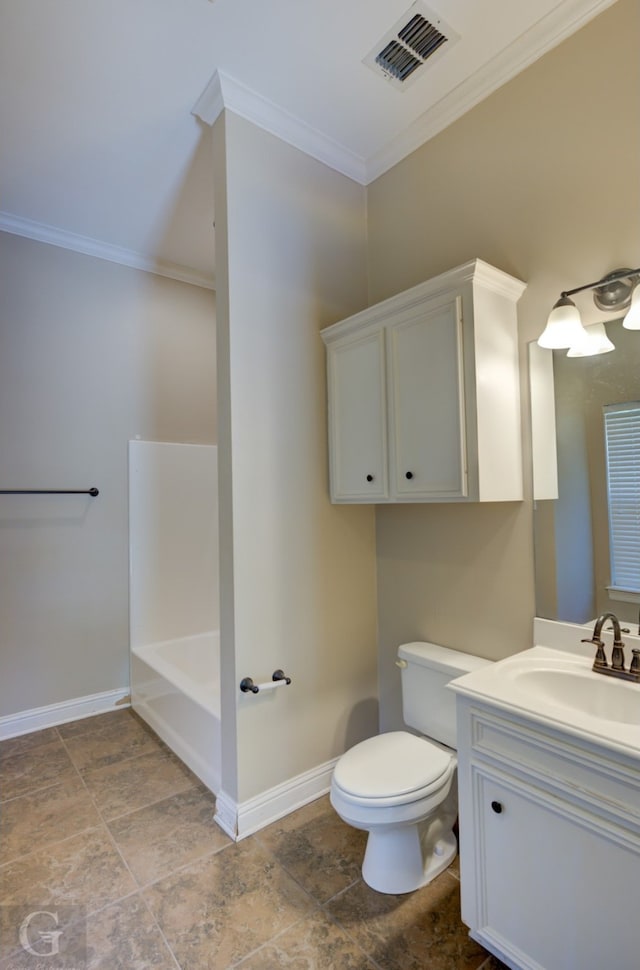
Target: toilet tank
427 704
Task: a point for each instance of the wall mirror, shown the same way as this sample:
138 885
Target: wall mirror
570 398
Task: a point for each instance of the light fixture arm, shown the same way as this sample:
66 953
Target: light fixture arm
621 274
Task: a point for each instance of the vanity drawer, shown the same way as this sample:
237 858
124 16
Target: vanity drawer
587 773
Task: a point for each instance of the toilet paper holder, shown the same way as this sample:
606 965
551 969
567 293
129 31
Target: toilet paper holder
278 679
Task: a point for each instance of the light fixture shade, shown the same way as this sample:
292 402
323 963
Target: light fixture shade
632 319
595 341
564 327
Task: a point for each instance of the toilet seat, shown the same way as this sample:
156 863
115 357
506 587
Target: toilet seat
393 769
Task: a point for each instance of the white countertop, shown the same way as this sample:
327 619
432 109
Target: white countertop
558 688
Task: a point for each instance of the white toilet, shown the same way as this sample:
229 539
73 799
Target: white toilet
402 789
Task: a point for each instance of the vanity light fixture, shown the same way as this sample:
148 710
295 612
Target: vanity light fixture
615 291
564 326
595 341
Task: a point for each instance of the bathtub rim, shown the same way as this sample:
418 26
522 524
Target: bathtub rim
205 696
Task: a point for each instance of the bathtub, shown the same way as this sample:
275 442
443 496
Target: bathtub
175 688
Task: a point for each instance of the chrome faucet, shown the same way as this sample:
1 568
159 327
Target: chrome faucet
617 668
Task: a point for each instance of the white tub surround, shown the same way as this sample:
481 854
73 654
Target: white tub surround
192 665
174 614
176 690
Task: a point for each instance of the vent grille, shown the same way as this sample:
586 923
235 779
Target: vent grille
409 44
397 61
422 37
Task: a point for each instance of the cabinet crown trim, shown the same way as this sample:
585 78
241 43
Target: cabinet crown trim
475 271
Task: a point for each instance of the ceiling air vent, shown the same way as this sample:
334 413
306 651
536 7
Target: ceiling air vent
412 42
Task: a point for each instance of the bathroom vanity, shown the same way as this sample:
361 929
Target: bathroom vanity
549 807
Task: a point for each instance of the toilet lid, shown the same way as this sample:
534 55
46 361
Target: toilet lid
396 763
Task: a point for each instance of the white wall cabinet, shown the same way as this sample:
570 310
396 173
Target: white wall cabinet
549 844
424 393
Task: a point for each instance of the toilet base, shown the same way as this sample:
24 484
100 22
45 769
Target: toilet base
401 860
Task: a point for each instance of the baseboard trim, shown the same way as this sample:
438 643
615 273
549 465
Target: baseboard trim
226 815
25 722
242 819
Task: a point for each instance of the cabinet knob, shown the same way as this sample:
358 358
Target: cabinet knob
497 807
408 475
369 478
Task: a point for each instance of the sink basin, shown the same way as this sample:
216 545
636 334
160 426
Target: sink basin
560 688
582 690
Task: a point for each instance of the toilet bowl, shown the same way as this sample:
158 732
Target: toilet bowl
408 805
402 788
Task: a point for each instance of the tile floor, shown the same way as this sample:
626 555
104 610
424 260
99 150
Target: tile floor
100 821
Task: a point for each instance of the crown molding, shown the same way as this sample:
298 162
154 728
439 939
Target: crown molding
224 92
93 247
210 104
546 34
475 271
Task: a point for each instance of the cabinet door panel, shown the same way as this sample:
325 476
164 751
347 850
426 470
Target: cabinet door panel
427 404
541 870
357 418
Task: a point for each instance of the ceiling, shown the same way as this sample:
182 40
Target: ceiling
100 150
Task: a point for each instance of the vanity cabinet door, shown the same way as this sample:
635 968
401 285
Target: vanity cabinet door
426 403
554 886
357 419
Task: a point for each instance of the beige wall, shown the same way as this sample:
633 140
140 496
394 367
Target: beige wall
298 574
91 354
541 180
